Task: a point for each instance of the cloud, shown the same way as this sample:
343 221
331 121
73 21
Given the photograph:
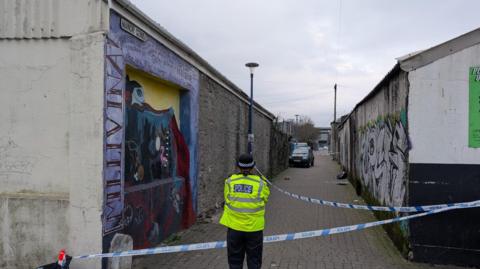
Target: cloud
304 47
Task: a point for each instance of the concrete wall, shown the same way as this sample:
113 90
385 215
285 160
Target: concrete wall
29 228
51 112
442 87
373 147
443 169
374 142
223 127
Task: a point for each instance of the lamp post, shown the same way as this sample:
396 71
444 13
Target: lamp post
335 103
252 67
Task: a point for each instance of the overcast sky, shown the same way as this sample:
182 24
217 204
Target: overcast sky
304 47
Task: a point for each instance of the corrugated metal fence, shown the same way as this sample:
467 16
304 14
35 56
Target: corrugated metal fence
25 19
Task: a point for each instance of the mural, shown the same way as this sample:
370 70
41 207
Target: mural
157 191
153 58
383 159
150 152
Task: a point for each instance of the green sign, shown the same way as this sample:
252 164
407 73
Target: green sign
474 108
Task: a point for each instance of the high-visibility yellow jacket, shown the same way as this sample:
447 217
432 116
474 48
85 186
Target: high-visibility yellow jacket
245 199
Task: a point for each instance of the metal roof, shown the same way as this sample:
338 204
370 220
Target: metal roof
35 19
418 59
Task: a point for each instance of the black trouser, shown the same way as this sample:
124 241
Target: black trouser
239 243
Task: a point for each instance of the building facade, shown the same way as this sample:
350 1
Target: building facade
111 131
323 139
414 140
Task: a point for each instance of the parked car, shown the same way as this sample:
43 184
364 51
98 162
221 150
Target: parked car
301 145
302 156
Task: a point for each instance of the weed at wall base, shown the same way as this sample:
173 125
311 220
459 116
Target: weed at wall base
394 230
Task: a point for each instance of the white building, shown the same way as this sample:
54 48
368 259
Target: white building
415 140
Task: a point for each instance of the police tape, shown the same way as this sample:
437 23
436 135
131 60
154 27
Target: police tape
404 209
272 238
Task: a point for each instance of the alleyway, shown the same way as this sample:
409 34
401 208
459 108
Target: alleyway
369 248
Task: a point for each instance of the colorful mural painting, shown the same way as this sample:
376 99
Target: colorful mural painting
151 126
157 191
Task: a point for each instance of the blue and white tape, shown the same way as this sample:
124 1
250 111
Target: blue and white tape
405 209
273 238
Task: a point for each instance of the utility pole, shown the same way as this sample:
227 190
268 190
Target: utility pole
296 126
335 103
333 147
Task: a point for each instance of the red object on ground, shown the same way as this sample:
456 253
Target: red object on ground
62 257
63 262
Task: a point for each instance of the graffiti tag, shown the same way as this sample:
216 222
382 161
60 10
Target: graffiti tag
383 161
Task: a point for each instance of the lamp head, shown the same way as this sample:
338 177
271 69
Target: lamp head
251 66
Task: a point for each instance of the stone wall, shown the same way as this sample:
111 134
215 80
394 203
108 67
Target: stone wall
223 127
279 152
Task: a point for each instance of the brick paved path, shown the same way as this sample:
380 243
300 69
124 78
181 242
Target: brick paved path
367 249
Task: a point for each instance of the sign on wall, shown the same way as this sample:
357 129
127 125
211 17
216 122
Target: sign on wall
132 29
474 108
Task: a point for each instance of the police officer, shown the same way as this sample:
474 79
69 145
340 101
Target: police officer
244 215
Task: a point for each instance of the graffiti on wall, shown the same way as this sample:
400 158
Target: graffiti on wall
157 186
383 159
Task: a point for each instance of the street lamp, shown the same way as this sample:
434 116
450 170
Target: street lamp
252 67
335 103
